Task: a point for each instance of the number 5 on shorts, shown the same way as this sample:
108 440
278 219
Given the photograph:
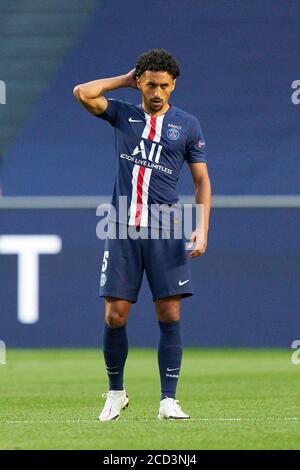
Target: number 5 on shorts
105 260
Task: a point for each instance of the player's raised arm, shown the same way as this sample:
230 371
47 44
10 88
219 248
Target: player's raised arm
91 94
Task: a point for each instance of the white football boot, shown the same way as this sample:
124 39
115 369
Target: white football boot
170 409
116 400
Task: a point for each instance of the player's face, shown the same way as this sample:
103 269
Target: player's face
156 88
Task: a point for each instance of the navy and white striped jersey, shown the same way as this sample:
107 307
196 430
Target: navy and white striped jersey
150 153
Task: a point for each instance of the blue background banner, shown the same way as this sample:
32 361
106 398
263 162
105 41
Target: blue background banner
238 62
246 285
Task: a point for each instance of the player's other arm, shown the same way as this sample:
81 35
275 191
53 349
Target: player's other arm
91 94
202 188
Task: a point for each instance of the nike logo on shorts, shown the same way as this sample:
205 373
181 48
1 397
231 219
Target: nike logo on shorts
181 283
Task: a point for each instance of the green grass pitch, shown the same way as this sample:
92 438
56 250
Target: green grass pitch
238 399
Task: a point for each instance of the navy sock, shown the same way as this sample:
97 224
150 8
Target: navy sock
115 350
169 357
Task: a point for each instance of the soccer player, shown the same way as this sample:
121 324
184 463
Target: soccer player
153 139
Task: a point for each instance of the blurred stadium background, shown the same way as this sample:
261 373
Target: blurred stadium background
239 61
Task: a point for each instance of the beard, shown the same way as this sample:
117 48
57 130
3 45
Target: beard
156 106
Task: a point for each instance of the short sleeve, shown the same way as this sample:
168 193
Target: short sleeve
112 112
195 145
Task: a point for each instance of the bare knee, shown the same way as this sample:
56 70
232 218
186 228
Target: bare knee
115 319
116 313
168 310
169 316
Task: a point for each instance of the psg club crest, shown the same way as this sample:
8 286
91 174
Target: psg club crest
173 134
102 280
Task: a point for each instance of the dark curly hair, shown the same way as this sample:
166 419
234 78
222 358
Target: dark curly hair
157 60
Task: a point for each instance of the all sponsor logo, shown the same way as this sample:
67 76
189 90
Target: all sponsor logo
154 153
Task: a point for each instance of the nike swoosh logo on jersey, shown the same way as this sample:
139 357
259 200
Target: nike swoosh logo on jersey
170 370
181 283
134 120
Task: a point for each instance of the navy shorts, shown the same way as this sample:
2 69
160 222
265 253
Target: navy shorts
165 261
